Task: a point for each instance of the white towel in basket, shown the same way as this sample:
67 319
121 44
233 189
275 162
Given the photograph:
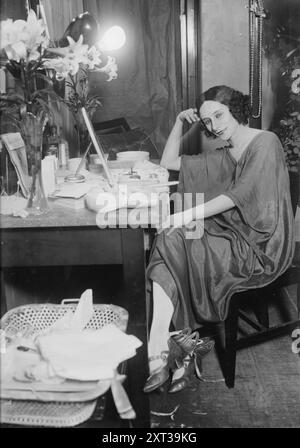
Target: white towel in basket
87 355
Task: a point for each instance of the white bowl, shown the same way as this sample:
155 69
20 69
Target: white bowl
133 155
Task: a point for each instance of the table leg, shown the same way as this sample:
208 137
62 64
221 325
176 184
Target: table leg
3 294
134 299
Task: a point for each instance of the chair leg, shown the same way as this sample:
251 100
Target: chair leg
231 329
298 299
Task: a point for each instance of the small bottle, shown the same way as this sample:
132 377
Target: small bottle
53 142
45 146
63 152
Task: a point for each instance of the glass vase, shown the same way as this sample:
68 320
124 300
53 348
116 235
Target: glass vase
82 135
33 137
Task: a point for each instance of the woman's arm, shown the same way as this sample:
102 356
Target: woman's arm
220 204
170 158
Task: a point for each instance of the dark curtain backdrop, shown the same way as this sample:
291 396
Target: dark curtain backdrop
148 89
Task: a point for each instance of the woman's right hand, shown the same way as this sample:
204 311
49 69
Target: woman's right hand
171 158
190 115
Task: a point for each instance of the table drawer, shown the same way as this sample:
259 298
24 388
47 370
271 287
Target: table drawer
61 247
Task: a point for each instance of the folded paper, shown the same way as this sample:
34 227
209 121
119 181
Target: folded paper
49 164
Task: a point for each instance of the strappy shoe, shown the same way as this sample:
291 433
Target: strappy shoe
203 347
192 365
180 346
160 375
185 379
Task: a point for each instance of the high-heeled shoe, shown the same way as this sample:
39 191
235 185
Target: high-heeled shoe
192 364
203 347
180 346
160 375
185 379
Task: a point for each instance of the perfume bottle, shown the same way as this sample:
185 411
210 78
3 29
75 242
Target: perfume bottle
63 151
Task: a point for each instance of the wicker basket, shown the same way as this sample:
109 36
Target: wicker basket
31 320
36 318
36 413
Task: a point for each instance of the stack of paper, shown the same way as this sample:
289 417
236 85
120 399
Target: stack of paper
71 195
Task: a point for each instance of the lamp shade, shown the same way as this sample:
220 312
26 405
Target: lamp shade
84 24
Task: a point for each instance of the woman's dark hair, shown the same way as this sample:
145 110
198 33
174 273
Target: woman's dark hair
237 102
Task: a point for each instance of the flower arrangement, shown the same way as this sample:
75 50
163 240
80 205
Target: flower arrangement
77 85
282 47
24 44
34 62
288 129
289 134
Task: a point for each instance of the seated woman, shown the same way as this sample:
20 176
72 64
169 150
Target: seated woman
247 240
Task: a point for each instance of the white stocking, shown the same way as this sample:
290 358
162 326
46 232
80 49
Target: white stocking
159 333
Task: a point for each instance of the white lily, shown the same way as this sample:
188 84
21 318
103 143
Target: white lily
62 66
10 41
6 33
110 68
77 50
21 39
72 56
93 58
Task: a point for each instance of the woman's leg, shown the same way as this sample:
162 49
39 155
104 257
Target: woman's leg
159 333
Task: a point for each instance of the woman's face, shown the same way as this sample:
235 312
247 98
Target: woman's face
218 119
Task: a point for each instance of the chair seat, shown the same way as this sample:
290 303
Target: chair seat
289 277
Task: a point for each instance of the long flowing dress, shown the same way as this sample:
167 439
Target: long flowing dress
245 247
